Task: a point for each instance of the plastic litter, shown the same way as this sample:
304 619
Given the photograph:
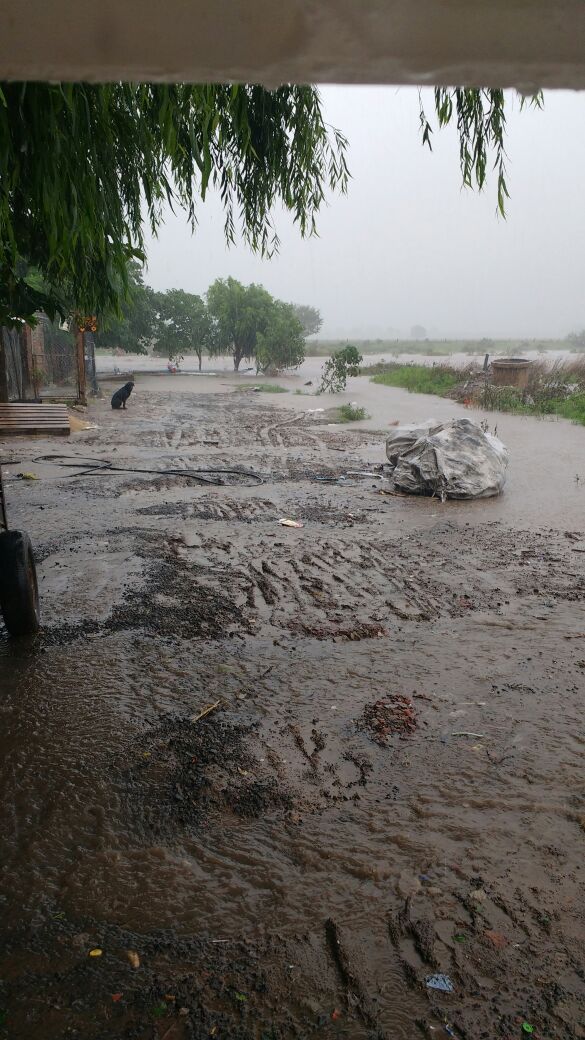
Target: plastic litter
453 459
440 982
95 953
290 523
527 1028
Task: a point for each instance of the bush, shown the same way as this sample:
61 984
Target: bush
351 413
343 363
552 390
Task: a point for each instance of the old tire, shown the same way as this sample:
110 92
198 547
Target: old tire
19 594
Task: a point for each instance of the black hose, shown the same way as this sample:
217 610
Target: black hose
105 466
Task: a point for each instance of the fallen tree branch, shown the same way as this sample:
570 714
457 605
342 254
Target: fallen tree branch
206 711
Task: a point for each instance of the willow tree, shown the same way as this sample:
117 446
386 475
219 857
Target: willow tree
84 168
134 327
480 118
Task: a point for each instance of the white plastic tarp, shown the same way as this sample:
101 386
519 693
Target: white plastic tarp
453 459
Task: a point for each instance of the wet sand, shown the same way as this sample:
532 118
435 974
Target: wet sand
282 869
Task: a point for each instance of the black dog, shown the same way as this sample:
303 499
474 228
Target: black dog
121 396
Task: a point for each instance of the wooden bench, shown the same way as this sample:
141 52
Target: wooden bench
24 420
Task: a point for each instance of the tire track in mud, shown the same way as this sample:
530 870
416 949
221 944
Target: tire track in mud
258 510
252 431
288 434
335 588
332 587
244 511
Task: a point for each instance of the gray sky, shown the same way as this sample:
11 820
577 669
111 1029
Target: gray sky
409 246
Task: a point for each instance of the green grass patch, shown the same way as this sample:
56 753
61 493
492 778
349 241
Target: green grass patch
573 408
418 379
350 413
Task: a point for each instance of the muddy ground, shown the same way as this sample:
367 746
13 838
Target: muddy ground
388 785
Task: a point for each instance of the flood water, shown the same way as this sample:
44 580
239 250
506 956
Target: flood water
219 846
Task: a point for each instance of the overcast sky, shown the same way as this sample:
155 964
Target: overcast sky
409 246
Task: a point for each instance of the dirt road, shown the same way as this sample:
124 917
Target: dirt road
389 787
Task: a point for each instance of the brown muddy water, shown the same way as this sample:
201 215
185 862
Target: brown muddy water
283 866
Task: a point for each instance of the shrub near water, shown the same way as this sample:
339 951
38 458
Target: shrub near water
351 413
337 368
509 399
552 390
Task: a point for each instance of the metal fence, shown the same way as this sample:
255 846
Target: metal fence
45 363
55 368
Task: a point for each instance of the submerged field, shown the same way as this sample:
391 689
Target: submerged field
441 347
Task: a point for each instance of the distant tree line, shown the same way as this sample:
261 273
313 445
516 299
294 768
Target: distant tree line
241 321
577 339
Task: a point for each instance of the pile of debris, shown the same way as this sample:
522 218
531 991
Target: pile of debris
469 391
391 715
